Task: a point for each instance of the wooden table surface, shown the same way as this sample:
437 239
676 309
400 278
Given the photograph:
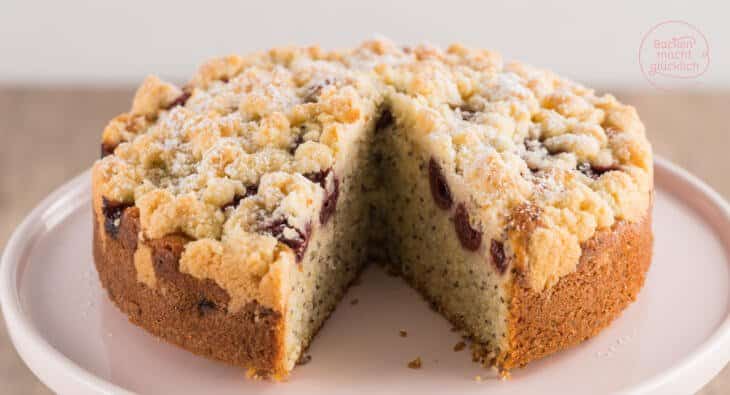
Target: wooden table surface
52 134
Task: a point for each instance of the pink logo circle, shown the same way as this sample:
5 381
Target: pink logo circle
673 54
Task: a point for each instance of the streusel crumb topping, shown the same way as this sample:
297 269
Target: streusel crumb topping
243 156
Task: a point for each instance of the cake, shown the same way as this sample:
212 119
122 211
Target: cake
231 214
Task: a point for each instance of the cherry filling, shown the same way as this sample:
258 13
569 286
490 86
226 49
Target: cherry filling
298 245
319 177
112 211
329 204
250 191
496 249
180 100
297 142
469 237
439 188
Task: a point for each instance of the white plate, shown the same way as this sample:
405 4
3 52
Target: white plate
673 339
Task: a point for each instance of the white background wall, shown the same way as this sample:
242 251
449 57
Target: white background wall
77 41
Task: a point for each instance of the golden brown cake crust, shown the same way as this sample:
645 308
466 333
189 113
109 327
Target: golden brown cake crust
181 309
608 278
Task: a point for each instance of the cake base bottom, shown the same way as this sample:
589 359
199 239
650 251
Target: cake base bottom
191 313
609 276
182 309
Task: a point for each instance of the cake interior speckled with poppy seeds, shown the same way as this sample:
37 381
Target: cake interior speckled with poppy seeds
232 213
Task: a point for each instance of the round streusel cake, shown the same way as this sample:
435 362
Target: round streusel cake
231 214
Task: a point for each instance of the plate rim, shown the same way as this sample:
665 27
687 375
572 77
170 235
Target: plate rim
717 345
23 334
27 340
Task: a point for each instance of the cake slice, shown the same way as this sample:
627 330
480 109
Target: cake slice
231 214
